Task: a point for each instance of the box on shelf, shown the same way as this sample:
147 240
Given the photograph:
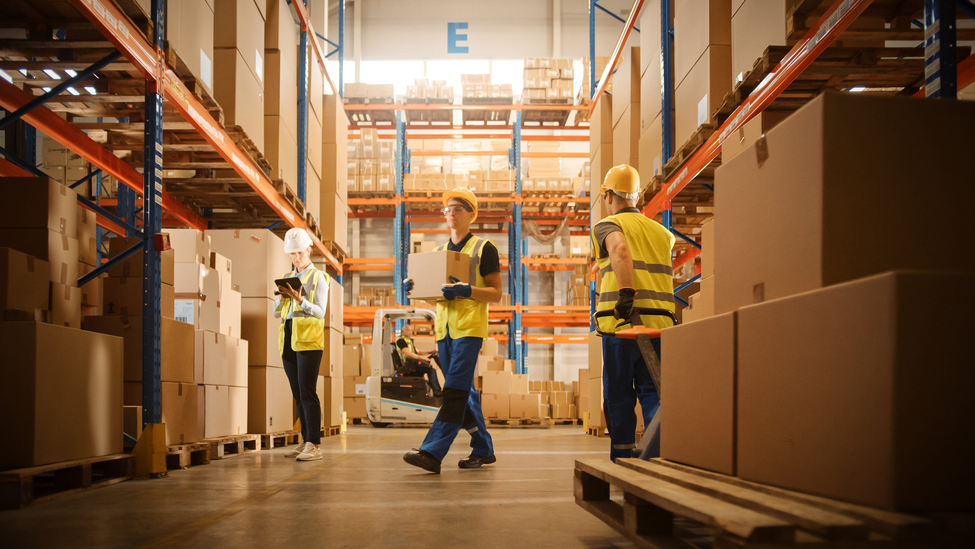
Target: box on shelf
239 93
176 345
355 407
279 147
698 25
86 234
188 245
132 266
60 251
755 25
701 92
190 32
123 296
242 28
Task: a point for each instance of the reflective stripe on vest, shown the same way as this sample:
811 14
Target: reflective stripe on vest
650 246
307 330
466 317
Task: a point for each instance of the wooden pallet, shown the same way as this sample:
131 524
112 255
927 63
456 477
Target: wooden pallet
370 117
737 513
193 83
183 456
487 117
534 422
539 118
597 431
428 117
271 441
290 196
332 431
234 445
685 151
22 487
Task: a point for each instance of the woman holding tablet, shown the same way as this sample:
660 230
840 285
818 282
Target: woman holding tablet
301 337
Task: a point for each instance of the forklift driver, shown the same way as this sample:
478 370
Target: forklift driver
416 362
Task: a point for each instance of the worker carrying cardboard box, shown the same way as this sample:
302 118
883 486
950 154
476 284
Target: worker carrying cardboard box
461 327
301 337
414 361
633 254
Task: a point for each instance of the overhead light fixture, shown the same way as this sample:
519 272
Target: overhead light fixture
73 91
24 72
858 89
52 74
6 76
46 89
90 90
71 73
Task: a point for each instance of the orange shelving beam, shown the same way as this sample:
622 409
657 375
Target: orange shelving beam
151 63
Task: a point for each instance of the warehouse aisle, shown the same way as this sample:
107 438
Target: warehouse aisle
361 494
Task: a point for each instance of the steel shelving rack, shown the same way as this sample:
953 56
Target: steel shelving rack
943 77
148 58
519 315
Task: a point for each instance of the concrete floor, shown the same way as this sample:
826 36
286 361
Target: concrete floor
361 494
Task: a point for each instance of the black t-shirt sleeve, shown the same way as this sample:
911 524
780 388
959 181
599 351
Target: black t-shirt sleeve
601 231
401 343
490 260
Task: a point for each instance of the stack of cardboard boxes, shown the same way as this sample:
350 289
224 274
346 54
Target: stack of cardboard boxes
650 157
557 402
281 93
335 180
584 93
64 166
382 93
424 88
331 393
354 377
238 64
626 110
426 165
548 81
190 34
376 297
577 289
600 153
504 394
816 341
64 384
580 390
371 164
479 86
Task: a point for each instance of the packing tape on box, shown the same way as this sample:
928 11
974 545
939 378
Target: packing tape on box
191 295
64 273
63 224
67 293
236 233
761 150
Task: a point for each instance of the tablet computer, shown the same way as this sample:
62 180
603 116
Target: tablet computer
292 281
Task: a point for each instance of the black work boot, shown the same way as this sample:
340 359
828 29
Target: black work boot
423 460
473 462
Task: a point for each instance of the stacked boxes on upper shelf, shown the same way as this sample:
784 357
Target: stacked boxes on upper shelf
600 153
238 62
479 86
548 81
800 309
332 202
65 167
702 63
371 162
190 34
650 155
584 94
424 88
281 93
426 164
626 110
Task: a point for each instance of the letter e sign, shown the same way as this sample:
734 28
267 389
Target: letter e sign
453 37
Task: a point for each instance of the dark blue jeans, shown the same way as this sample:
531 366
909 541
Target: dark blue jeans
625 379
302 369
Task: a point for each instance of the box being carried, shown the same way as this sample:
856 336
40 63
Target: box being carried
430 271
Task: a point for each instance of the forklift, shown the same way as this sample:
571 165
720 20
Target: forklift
393 397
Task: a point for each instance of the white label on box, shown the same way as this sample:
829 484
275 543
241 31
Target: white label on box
206 70
184 310
259 65
360 388
656 165
702 110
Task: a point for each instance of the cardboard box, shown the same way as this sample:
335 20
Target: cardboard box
281 90
176 346
497 383
269 400
123 296
601 124
58 250
700 382
190 26
707 249
626 136
698 25
258 253
214 411
431 270
846 402
280 31
626 84
241 27
755 26
34 203
239 93
525 406
351 356
189 246
180 404
595 356
65 305
334 221
651 153
260 329
355 407
519 384
331 401
701 92
365 365
65 385
808 171
219 359
23 283
279 149
495 406
750 132
132 267
86 233
238 409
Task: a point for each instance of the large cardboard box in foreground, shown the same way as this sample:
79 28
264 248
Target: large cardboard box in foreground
260 328
270 405
60 392
843 178
180 411
862 392
176 345
700 405
59 250
430 271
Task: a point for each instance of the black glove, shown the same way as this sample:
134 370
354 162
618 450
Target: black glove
624 305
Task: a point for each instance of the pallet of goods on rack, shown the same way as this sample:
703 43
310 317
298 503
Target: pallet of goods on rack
477 89
429 92
377 97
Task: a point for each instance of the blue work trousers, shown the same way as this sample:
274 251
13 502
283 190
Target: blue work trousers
461 403
626 378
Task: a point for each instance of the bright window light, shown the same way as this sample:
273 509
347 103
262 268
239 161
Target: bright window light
398 73
858 89
24 72
332 66
71 73
90 90
46 89
6 76
73 91
509 71
450 70
52 74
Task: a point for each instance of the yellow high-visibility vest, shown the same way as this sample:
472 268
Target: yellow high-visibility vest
466 317
653 274
307 330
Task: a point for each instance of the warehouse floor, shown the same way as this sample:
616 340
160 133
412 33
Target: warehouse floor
361 494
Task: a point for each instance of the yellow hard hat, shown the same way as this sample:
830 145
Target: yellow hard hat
464 194
622 179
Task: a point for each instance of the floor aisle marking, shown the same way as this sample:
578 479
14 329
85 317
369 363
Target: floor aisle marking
228 511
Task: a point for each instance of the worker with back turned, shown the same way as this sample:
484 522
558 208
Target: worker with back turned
461 327
633 254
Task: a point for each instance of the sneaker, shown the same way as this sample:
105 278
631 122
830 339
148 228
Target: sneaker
297 450
473 462
423 460
311 453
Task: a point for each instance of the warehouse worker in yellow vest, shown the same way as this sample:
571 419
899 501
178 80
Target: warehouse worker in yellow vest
301 338
633 254
461 326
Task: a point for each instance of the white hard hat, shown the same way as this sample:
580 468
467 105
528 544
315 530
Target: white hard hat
296 240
